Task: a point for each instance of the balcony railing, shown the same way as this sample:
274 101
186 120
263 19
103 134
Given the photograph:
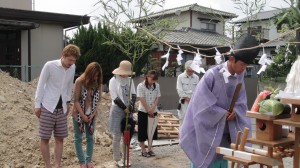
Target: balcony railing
259 33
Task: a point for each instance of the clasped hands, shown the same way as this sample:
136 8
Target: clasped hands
88 118
230 116
150 112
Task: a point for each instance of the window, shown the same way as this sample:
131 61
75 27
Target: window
273 53
256 30
208 26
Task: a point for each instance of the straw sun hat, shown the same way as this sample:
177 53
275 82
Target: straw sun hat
123 69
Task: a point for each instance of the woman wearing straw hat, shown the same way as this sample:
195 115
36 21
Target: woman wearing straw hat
119 88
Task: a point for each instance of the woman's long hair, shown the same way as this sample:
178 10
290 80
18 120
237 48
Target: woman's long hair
89 75
152 74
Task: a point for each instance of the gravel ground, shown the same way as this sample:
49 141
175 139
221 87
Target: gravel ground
172 156
169 156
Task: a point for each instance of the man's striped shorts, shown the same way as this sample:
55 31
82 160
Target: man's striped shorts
56 122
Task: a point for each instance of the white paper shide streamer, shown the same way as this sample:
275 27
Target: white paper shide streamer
264 61
197 62
167 59
179 57
231 49
218 57
292 89
287 51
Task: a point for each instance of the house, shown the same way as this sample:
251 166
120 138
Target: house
263 27
198 27
30 38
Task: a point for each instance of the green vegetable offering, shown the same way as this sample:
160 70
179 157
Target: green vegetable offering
271 105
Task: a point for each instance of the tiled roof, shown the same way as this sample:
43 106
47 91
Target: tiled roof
260 16
194 7
196 37
275 44
65 20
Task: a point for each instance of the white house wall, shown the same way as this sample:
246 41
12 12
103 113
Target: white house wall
16 4
273 32
266 24
46 45
184 20
197 23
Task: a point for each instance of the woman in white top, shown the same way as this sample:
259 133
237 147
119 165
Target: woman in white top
148 93
119 86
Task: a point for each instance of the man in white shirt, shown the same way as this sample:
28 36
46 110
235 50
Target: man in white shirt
186 83
52 98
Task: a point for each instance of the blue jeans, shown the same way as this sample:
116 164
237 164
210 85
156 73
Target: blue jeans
78 143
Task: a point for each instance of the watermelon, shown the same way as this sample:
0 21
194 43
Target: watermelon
287 109
271 105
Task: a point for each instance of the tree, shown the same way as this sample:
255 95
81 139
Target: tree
250 8
121 14
133 14
135 45
98 43
91 41
289 18
282 64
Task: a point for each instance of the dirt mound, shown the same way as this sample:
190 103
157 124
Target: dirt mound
19 141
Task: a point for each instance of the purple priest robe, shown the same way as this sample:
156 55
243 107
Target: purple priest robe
205 120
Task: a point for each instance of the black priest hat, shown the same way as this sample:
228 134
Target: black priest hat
246 41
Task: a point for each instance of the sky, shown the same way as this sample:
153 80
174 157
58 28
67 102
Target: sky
88 7
82 7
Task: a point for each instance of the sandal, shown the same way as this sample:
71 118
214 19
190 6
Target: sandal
89 165
151 153
82 166
144 154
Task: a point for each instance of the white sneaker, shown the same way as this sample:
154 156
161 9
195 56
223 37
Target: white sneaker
120 163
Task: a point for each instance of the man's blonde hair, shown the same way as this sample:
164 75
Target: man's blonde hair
71 50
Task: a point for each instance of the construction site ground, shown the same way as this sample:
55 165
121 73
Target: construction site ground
19 141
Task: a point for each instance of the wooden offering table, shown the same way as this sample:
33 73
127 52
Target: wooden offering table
271 144
269 134
241 154
289 122
245 163
295 122
265 127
